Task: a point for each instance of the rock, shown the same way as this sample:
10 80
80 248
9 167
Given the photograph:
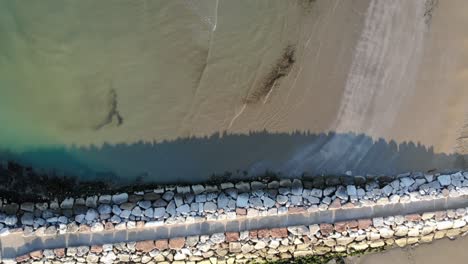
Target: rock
171 209
183 209
178 199
329 191
201 198
218 238
197 189
27 219
444 180
160 203
296 200
97 227
378 221
67 203
159 212
351 190
242 200
145 246
105 199
256 185
176 243
149 213
104 209
256 202
210 207
120 198
268 202
298 230
387 190
11 220
223 201
243 186
326 229
27 207
443 225
144 204
115 219
235 247
318 192
342 193
168 196
281 199
91 215
406 182
296 187
401 231
137 211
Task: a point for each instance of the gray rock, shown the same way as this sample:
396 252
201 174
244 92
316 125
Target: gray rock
210 207
104 209
281 199
268 202
91 201
63 219
91 215
318 192
387 190
242 200
192 241
313 200
298 230
125 214
11 220
232 193
273 185
223 200
159 212
27 219
171 208
105 199
285 183
116 210
137 211
160 203
284 191
378 221
406 182
67 203
189 198
329 191
351 190
255 202
226 185
27 207
342 193
183 189
120 198
197 189
144 204
444 180
183 209
127 206
201 198
296 187
115 219
256 185
168 196
243 186
179 200
296 200
149 213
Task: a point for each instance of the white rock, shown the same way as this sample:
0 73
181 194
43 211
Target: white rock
378 221
218 238
443 225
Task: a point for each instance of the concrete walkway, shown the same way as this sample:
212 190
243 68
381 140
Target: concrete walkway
15 244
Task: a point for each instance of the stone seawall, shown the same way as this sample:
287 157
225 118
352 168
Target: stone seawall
238 222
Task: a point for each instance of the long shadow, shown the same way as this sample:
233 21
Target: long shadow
242 155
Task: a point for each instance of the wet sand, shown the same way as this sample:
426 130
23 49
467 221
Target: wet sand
440 251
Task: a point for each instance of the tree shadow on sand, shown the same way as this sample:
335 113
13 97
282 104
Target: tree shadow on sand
193 160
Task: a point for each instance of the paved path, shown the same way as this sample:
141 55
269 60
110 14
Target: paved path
15 244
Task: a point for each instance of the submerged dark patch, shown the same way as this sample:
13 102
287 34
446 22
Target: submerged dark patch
280 69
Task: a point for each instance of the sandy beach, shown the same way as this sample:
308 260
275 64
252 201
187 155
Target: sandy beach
441 251
179 71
